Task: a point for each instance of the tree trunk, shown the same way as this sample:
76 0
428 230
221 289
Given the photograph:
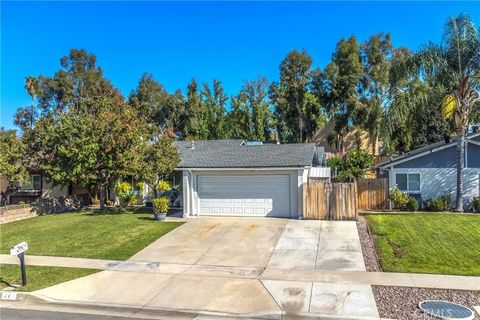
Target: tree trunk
460 163
300 119
102 197
31 114
374 144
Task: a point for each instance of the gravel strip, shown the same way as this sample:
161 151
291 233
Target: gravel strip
368 248
402 302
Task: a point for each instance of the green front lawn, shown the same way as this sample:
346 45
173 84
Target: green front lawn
86 234
39 277
427 242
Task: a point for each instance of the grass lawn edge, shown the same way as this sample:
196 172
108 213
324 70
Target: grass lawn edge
430 243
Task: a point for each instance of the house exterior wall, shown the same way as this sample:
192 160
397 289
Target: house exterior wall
435 182
190 187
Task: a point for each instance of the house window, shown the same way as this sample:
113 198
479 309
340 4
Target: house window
34 182
408 182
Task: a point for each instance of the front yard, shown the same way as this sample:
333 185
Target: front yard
39 277
86 234
427 242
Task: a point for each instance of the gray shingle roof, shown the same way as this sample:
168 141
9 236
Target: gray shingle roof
234 154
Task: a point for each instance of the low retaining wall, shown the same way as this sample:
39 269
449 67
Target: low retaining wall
16 212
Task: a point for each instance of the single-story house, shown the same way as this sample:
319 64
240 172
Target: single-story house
242 178
431 171
36 186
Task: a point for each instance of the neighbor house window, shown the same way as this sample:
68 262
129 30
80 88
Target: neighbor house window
34 182
408 182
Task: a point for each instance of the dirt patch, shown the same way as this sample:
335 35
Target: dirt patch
402 302
397 251
368 248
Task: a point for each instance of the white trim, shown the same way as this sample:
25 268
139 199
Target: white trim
473 142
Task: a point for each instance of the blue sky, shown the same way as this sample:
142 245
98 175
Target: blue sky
176 42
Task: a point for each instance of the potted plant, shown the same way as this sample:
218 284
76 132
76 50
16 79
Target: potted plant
160 208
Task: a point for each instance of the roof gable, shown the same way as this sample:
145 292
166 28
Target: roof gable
434 155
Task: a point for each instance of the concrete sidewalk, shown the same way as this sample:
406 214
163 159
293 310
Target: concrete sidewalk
435 281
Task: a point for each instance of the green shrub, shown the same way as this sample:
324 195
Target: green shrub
412 204
21 202
161 204
125 194
476 204
400 199
445 200
434 205
442 203
354 165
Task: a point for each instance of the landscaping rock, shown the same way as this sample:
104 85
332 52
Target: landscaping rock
402 302
368 248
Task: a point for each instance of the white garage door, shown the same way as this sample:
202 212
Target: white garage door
255 195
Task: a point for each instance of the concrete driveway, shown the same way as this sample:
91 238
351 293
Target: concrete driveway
224 266
217 242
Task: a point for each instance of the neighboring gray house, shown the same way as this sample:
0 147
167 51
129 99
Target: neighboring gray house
430 172
239 178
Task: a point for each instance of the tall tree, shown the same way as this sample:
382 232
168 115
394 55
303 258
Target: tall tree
239 119
97 146
214 100
179 117
75 86
31 85
152 101
375 88
453 66
256 96
196 126
250 116
458 59
341 79
288 95
411 122
98 131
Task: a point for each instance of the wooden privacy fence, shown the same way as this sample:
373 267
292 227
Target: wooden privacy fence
372 194
330 201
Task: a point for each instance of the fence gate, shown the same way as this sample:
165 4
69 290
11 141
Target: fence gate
330 201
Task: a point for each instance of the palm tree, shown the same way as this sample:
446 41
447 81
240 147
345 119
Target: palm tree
456 64
31 85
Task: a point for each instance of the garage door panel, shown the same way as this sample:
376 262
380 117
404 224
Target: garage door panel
259 195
